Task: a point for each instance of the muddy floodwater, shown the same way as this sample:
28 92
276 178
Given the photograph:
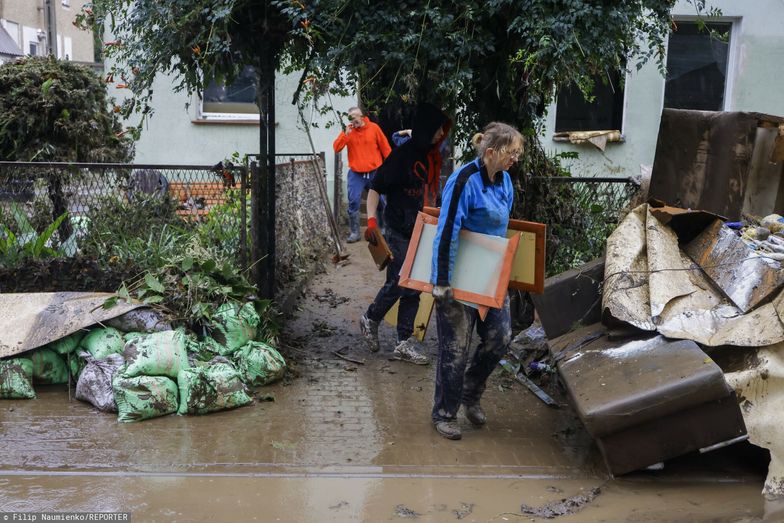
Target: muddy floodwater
352 441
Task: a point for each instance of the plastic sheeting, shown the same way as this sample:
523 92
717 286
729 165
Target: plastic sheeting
760 389
30 320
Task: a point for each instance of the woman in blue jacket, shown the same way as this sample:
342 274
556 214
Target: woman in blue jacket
477 197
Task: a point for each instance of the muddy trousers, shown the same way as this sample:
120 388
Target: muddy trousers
458 378
391 292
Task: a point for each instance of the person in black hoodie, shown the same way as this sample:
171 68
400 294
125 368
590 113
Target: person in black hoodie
407 177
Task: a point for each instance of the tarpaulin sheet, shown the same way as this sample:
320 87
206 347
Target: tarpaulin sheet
760 389
29 320
653 285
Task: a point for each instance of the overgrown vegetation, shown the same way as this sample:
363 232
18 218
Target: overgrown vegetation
188 269
26 243
56 111
215 229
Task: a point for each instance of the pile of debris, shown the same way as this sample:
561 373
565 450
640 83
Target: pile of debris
674 342
137 365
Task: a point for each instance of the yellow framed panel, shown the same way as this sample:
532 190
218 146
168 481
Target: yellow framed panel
529 261
422 319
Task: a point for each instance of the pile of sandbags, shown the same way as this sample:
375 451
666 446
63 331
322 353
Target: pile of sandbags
142 375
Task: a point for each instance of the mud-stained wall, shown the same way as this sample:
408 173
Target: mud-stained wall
302 232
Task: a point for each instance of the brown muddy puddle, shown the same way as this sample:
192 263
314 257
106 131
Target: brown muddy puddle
337 498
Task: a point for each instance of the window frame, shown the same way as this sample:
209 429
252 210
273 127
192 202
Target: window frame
207 116
732 55
625 77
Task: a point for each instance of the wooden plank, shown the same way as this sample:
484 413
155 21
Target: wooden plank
380 251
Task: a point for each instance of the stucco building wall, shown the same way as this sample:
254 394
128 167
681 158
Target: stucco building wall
753 80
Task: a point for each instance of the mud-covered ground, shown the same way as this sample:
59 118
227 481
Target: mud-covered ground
343 440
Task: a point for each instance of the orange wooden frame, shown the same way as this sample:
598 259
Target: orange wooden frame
540 230
496 300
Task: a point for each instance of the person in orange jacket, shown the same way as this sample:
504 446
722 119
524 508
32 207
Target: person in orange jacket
367 149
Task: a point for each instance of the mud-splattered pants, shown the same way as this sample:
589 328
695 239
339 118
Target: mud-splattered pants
459 380
390 292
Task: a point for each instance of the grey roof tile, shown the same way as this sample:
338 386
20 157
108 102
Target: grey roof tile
7 44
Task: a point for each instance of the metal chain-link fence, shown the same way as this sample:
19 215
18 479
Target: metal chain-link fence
579 212
94 206
110 206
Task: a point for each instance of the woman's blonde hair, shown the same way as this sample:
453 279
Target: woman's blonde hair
498 136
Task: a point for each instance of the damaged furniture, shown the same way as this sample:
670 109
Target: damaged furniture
642 397
725 162
572 297
646 400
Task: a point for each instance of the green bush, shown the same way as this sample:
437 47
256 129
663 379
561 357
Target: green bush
27 244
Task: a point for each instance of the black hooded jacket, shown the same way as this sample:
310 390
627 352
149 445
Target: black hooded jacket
404 174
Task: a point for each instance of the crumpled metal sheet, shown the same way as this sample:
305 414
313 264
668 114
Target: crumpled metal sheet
760 389
745 277
30 320
690 306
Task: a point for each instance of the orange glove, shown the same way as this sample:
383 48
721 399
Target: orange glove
371 231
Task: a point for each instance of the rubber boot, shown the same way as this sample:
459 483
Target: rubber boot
353 225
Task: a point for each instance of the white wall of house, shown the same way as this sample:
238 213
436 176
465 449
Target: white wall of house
753 83
176 134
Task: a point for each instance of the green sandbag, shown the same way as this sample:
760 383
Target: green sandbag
156 354
202 351
16 379
103 341
49 368
210 347
128 336
259 364
75 365
144 397
214 387
234 326
68 344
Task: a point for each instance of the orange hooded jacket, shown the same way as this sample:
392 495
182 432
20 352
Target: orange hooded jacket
367 147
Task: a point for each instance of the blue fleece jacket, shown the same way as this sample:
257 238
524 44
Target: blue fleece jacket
469 201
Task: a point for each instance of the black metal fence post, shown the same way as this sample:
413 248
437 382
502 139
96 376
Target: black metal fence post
256 221
244 217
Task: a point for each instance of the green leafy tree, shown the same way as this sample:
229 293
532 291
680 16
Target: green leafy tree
197 41
57 111
482 60
488 60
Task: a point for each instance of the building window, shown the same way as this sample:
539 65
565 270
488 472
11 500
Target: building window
235 101
697 66
33 48
12 28
605 112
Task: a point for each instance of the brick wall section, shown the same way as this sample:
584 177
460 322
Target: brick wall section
303 239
